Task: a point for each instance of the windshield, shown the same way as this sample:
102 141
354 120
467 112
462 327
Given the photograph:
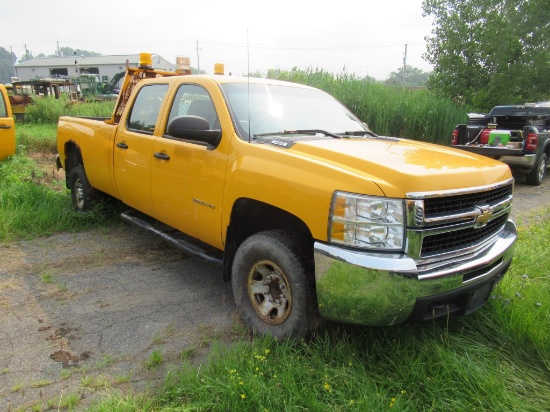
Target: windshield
262 109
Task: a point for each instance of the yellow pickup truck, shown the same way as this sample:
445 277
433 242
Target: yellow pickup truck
309 214
7 125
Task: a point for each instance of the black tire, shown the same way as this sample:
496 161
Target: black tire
274 286
536 176
84 196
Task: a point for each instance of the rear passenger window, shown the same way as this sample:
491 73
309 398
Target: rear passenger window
3 108
146 108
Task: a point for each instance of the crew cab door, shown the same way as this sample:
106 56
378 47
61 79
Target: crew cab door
187 177
133 150
7 126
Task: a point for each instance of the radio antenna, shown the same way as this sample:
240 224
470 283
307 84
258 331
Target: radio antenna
248 77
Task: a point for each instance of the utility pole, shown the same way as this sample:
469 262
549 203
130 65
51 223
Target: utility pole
58 52
13 62
405 65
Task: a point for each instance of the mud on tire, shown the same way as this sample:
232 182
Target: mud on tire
83 195
273 286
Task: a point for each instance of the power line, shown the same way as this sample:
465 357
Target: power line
194 42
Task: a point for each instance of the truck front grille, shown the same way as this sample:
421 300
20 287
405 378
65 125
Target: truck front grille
451 204
445 225
462 238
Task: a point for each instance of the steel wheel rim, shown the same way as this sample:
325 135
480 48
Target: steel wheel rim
79 194
542 170
269 292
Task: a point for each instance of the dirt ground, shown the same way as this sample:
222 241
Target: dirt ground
89 314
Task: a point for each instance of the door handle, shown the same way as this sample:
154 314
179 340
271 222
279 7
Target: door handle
122 145
5 126
161 156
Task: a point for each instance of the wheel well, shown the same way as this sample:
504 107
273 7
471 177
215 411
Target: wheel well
251 216
73 158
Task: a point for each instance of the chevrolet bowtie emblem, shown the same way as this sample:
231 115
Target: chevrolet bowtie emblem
485 214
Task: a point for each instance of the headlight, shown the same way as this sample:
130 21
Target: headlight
367 222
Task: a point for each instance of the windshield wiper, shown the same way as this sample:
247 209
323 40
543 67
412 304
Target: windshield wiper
360 133
301 131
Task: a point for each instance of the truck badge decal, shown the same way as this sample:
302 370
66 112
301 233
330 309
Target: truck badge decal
281 143
485 214
203 203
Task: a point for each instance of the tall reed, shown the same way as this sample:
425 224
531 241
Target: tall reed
390 111
49 109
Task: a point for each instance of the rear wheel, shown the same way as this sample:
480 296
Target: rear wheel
536 176
273 286
83 194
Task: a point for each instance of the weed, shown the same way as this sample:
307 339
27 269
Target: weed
107 360
40 384
37 407
17 387
66 373
158 338
64 402
46 277
154 361
125 378
86 381
188 353
96 382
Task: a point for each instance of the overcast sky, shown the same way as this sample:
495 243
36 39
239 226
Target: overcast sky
366 37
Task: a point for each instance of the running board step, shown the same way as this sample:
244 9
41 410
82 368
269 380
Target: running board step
178 239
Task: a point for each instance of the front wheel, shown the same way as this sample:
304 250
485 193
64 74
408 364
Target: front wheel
82 193
273 286
536 176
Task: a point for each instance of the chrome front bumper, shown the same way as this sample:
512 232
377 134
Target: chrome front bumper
385 289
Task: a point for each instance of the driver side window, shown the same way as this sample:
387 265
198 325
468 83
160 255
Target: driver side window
193 100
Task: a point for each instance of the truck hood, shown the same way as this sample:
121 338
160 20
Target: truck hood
401 166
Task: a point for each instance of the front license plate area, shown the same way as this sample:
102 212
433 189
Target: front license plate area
478 298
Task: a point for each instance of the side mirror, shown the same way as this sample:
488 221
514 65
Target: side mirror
194 129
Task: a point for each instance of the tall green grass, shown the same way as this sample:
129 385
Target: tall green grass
390 111
36 137
49 109
29 208
497 359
